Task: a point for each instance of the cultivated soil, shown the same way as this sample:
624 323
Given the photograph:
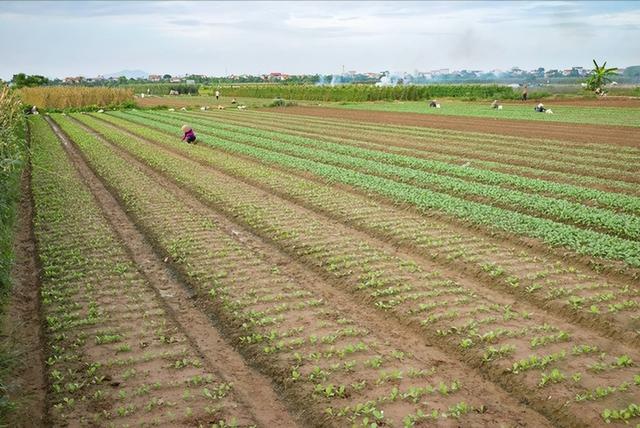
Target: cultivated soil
605 134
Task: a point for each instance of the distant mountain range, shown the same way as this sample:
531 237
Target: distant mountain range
129 74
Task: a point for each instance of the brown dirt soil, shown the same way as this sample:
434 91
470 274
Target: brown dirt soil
22 324
254 390
605 134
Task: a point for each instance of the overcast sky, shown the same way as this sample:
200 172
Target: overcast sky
60 39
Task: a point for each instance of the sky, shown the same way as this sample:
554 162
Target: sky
59 39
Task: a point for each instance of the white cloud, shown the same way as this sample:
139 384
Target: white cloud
253 37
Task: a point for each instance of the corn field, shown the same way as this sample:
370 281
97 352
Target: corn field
57 97
370 93
12 127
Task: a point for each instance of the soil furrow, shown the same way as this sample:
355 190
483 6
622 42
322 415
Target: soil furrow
23 324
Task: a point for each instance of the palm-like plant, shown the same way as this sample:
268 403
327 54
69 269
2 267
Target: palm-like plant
600 76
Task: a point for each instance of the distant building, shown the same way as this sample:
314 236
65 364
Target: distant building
176 80
155 77
74 80
277 76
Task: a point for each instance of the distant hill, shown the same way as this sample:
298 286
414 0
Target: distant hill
129 74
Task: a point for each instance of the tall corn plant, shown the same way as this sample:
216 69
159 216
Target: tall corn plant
12 156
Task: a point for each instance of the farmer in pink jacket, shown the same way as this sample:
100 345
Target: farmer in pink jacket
189 135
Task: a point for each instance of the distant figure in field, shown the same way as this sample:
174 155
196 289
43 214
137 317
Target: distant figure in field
217 94
433 104
233 101
540 108
189 135
525 93
495 104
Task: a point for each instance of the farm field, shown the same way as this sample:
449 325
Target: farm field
571 112
333 267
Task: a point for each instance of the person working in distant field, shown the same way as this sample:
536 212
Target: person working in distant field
217 94
540 108
495 104
525 93
189 135
433 104
233 101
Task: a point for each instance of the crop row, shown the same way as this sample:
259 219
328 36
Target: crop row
585 242
319 352
605 157
482 171
445 148
476 324
114 357
442 177
550 283
608 156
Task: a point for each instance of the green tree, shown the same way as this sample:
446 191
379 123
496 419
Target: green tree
21 80
600 76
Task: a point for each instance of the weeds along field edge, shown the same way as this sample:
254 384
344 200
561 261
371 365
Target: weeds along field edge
113 356
375 277
337 368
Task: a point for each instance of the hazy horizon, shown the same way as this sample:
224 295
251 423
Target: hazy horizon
58 39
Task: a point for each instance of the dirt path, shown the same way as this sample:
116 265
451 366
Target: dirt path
604 134
255 391
28 385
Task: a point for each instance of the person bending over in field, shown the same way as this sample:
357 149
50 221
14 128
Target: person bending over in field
525 93
540 108
189 135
